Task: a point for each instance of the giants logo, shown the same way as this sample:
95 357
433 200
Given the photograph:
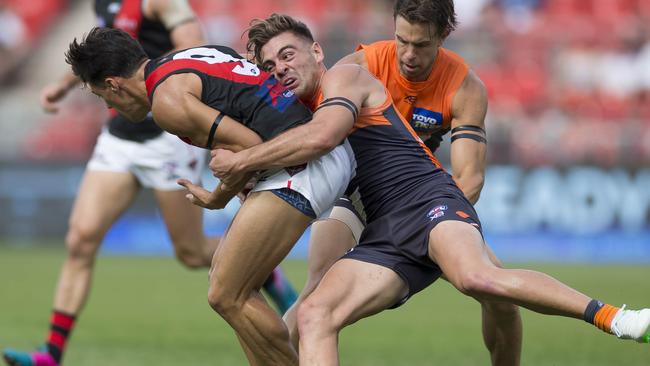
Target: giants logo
436 212
424 120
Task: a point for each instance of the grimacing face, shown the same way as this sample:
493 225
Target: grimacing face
120 100
294 61
417 48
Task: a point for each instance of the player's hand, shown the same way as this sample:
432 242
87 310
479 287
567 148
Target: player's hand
200 196
224 166
51 95
247 189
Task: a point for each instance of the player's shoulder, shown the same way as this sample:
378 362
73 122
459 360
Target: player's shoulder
378 47
473 86
346 74
171 93
452 56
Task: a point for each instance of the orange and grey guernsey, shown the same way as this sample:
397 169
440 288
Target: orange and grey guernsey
392 161
426 104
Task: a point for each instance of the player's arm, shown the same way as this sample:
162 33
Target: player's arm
468 138
356 58
179 18
330 125
177 108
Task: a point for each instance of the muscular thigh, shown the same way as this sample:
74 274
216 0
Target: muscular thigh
102 198
354 289
259 237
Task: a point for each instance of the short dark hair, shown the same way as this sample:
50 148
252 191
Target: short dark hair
261 31
439 13
104 52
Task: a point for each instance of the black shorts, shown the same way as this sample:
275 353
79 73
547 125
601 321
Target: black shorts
399 240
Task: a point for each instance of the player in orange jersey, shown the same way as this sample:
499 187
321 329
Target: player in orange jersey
436 91
419 223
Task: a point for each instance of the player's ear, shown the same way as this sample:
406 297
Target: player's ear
317 51
112 84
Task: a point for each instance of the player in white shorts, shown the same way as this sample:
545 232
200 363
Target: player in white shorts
156 163
211 97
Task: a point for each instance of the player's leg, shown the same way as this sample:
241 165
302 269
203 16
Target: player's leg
330 239
101 199
351 290
161 162
184 222
158 165
280 290
260 236
458 248
502 327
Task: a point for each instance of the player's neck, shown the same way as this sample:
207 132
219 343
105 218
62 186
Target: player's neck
138 86
311 98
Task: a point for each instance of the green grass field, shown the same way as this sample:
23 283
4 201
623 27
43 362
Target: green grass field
150 311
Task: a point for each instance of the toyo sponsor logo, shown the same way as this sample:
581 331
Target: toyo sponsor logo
424 120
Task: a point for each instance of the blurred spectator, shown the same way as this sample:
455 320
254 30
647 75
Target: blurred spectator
568 80
13 39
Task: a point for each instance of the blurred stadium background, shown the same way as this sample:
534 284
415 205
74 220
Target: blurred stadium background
568 125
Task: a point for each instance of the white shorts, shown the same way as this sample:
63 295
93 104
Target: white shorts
156 163
322 181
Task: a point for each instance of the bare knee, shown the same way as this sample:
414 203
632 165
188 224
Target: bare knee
82 243
315 316
477 284
191 258
223 300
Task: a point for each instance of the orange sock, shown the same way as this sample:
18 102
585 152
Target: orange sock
604 317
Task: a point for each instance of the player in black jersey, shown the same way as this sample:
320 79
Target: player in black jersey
211 97
127 157
419 223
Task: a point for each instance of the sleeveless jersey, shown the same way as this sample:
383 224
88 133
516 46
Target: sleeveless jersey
155 40
235 87
392 161
426 104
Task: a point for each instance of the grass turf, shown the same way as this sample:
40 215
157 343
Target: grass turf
151 311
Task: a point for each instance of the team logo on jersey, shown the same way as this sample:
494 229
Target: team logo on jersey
436 212
410 99
424 120
276 95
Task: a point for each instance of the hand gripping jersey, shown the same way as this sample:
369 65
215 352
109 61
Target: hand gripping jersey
393 165
426 104
234 86
155 40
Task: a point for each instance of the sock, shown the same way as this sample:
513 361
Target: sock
600 315
280 290
61 325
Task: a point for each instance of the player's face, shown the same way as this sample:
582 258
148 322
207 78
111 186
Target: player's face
417 48
294 61
121 101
